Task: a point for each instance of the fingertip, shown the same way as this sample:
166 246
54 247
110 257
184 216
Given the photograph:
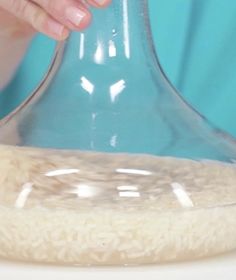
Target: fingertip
99 3
57 31
64 35
78 18
85 22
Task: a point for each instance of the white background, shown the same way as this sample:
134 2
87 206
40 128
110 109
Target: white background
220 268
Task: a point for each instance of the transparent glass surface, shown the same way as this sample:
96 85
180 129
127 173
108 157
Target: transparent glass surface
105 164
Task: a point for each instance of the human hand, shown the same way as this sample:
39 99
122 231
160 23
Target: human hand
54 18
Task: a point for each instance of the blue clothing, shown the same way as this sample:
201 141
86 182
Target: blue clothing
196 45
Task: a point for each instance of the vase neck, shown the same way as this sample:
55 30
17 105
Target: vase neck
119 32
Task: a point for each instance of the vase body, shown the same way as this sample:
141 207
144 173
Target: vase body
105 164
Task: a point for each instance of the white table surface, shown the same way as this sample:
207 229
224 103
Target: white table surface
220 268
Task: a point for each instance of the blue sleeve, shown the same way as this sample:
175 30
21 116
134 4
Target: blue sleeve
29 74
196 43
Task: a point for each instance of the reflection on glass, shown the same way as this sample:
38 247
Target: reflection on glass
23 195
81 49
182 195
127 188
129 194
126 29
87 85
61 172
112 49
116 89
99 54
113 141
134 171
85 191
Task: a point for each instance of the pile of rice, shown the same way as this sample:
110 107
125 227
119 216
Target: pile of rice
68 207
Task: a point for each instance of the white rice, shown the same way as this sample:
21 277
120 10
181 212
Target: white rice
100 209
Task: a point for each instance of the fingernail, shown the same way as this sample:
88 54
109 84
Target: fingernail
56 28
100 2
75 15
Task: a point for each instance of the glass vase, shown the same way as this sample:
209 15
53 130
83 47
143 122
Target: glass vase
105 163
